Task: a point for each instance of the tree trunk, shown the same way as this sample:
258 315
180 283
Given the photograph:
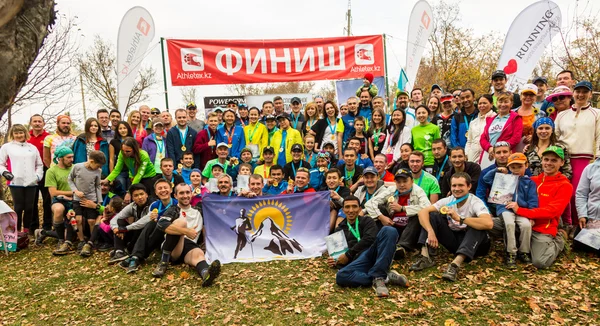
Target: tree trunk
20 41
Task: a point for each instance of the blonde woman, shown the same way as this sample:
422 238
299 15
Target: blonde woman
139 132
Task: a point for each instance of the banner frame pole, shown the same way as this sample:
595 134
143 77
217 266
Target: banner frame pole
387 90
162 55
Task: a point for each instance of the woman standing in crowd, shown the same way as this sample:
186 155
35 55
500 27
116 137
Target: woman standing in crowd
155 145
579 128
405 151
561 97
231 134
139 132
486 110
424 134
397 134
21 165
378 133
90 140
137 161
310 117
444 119
325 129
434 106
310 154
528 114
255 132
114 148
505 126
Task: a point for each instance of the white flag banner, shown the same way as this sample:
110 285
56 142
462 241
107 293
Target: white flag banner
526 40
135 34
420 26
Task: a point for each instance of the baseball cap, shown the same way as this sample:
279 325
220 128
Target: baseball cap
371 170
540 79
499 73
401 92
268 149
191 105
435 86
218 108
284 116
295 99
296 148
556 150
155 110
583 83
403 173
270 117
221 144
158 122
517 158
242 105
446 98
529 88
328 142
218 165
558 91
245 149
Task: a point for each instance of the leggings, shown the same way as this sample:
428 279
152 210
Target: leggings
23 198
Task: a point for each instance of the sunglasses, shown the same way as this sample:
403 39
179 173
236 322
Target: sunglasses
155 113
559 98
192 108
303 169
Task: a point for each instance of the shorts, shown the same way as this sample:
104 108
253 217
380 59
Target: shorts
86 213
188 245
67 204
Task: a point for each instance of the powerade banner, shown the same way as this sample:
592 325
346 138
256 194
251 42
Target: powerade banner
527 37
211 62
344 89
266 228
257 100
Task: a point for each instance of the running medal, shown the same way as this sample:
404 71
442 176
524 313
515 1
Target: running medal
376 148
183 148
275 184
444 210
179 166
155 210
281 150
467 134
390 199
229 145
332 137
197 191
321 169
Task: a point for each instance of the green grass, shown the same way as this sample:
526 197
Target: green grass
38 288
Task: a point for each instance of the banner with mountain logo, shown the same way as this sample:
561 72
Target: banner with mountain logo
265 228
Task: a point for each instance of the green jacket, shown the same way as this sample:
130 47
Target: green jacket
146 169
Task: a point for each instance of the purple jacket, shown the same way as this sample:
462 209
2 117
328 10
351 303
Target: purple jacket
149 145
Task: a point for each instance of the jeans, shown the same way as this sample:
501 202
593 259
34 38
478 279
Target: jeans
129 238
372 263
123 183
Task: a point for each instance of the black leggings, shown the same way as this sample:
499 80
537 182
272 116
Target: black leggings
23 199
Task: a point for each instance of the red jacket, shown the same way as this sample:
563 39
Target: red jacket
201 147
511 133
38 141
554 194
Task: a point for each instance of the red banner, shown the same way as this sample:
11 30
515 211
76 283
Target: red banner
211 62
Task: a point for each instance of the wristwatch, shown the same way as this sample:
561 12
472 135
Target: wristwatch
462 220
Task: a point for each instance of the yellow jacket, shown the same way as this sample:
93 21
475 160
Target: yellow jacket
259 136
293 137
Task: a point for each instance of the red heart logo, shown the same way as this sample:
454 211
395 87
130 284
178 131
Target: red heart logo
511 67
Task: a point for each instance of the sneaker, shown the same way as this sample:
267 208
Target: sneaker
400 252
422 263
81 244
119 256
209 275
133 267
104 247
59 243
525 258
451 273
40 235
86 250
64 249
379 286
571 231
124 264
396 278
511 261
160 270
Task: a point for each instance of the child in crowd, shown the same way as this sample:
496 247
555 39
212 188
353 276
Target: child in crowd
84 179
368 85
526 197
275 183
245 170
107 195
102 235
360 134
245 157
185 167
310 154
338 192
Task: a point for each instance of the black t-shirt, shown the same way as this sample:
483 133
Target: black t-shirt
116 144
348 175
288 170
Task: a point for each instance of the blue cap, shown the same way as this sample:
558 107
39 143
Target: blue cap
583 83
371 170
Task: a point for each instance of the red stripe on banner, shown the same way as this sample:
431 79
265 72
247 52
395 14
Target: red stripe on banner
212 62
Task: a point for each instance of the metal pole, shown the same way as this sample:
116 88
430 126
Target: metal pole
387 91
82 94
162 52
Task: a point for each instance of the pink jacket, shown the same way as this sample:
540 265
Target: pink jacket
511 133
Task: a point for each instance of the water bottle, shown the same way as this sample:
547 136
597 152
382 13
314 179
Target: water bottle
74 224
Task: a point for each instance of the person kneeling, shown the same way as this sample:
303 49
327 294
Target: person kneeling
369 257
182 225
459 222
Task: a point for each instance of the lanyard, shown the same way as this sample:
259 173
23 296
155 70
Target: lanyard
283 139
310 123
160 205
229 133
367 195
466 121
354 232
441 169
376 137
294 168
421 178
183 135
309 157
271 133
295 120
253 131
172 179
349 176
454 202
160 145
106 200
331 128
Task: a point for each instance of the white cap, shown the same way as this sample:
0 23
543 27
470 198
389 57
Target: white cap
529 88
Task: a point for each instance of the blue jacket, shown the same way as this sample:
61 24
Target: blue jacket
484 185
238 141
80 152
365 111
348 121
459 128
526 195
271 190
363 163
174 144
317 179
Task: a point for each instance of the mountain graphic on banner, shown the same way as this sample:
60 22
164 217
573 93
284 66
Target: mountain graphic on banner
275 239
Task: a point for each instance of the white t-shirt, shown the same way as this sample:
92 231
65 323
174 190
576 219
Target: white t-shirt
193 219
473 207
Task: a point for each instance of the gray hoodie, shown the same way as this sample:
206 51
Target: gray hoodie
141 218
587 197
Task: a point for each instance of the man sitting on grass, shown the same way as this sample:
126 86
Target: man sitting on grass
369 257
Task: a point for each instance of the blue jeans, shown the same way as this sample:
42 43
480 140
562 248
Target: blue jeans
372 263
123 183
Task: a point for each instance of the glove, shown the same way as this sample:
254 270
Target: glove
8 176
122 229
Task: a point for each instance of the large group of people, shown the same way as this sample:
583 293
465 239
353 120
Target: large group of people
404 179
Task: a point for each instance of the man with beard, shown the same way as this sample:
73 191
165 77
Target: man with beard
440 154
460 164
115 117
402 104
61 138
104 119
372 186
365 108
462 120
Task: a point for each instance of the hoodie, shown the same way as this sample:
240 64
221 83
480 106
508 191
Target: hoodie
554 193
